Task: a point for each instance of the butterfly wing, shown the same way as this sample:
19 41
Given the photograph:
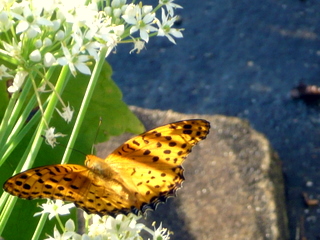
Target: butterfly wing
68 182
53 181
149 165
138 175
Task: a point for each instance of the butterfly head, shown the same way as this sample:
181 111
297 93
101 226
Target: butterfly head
99 167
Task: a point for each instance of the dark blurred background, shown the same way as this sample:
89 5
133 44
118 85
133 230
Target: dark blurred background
241 58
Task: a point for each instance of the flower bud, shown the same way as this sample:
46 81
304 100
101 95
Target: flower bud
48 59
35 56
38 43
47 42
59 35
117 12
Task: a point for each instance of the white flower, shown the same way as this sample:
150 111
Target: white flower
141 19
97 228
93 49
66 114
5 21
138 45
55 208
75 61
111 36
13 50
50 136
70 226
124 225
42 88
31 27
4 72
165 27
170 6
160 233
108 227
84 237
67 234
47 7
18 81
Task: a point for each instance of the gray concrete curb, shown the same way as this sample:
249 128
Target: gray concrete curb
233 188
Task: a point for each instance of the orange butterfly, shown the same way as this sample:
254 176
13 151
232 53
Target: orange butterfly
138 175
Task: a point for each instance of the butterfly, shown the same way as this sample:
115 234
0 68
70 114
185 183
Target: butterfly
141 173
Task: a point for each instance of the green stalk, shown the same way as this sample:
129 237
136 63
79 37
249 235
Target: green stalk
40 226
4 130
63 77
46 119
85 103
9 205
11 138
32 150
83 108
5 214
11 145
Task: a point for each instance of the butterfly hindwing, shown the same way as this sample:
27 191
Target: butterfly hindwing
65 182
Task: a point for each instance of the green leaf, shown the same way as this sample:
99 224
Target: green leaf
116 119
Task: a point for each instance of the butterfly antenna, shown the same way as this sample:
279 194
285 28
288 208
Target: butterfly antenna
97 133
65 146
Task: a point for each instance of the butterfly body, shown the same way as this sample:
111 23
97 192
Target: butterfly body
138 175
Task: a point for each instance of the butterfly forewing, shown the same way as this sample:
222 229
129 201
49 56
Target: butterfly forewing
142 172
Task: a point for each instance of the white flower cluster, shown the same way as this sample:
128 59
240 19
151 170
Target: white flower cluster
64 32
37 35
100 228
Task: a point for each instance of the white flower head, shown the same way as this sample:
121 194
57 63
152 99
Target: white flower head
55 208
50 136
108 227
66 113
170 6
165 27
18 81
141 18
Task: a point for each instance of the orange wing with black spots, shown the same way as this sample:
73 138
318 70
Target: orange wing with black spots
138 175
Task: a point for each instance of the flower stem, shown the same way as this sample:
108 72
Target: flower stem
40 226
85 103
